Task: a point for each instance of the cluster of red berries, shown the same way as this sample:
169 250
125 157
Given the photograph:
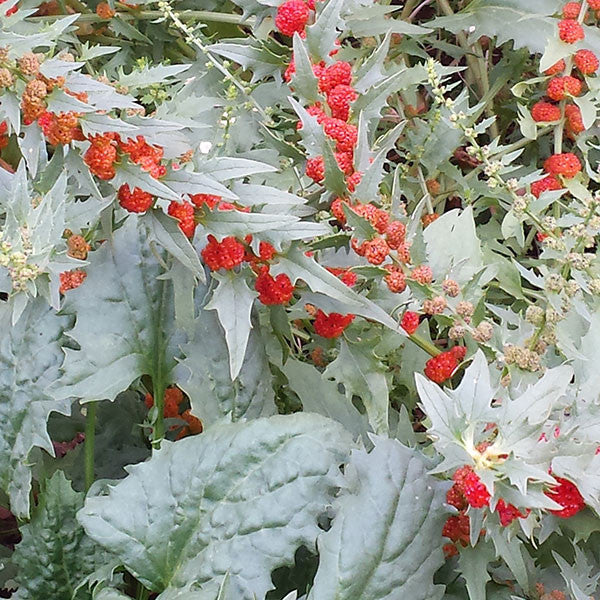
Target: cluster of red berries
331 325
10 11
410 322
273 290
568 496
293 16
69 280
173 399
442 367
3 134
563 85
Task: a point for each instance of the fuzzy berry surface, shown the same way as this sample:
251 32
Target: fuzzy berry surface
292 16
547 184
574 124
471 486
226 254
509 513
395 234
422 274
570 31
440 368
101 156
410 322
340 73
340 99
586 61
344 134
543 112
561 87
566 164
376 251
315 168
331 325
184 213
395 279
571 10
273 290
136 201
568 496
556 68
69 280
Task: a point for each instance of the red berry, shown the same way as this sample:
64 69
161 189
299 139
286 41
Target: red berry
273 290
184 213
395 279
568 496
457 528
339 100
509 513
339 73
422 274
337 209
547 184
594 4
292 16
574 119
441 367
345 161
227 254
266 251
358 247
353 181
344 134
571 10
556 68
410 322
468 482
377 217
137 201
544 112
561 87
345 275
210 200
570 31
376 250
315 168
69 280
586 61
314 110
101 156
331 325
395 234
566 164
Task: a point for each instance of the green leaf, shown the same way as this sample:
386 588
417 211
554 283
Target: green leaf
321 396
166 231
507 20
385 542
134 176
30 360
233 301
453 248
299 266
473 567
362 228
361 373
223 223
238 499
206 379
125 323
334 177
305 81
55 555
321 36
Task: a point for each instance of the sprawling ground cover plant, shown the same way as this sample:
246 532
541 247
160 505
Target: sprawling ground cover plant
300 299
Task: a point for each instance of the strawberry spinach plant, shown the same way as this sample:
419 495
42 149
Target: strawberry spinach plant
299 299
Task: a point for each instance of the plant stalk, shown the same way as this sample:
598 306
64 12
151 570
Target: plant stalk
90 438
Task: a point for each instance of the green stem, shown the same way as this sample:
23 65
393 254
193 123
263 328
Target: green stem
142 593
408 8
150 15
424 344
90 438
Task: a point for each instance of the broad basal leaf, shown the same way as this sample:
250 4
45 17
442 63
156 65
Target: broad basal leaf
30 359
238 499
55 555
385 542
204 375
124 323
